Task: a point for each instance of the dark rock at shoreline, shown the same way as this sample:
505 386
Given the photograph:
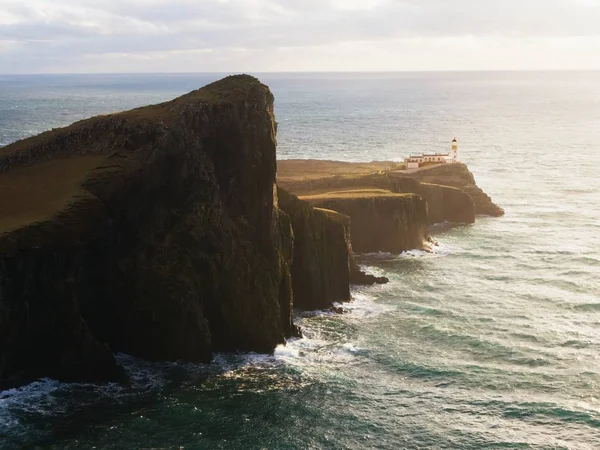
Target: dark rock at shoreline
360 278
323 264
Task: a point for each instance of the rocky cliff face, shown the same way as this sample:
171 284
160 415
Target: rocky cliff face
450 189
323 262
445 203
380 220
153 232
321 258
460 177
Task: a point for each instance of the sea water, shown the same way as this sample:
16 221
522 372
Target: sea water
491 342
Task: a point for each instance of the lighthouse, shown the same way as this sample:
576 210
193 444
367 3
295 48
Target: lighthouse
454 151
427 159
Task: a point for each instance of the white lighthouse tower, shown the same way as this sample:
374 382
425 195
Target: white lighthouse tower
454 151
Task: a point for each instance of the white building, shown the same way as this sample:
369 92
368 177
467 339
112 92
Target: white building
416 161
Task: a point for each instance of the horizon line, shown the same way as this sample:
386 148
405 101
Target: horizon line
308 72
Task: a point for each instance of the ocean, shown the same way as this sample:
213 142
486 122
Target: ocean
492 342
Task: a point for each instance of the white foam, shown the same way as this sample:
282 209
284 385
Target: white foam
365 304
228 362
416 254
443 248
439 248
142 374
360 299
47 397
286 351
33 398
433 251
350 347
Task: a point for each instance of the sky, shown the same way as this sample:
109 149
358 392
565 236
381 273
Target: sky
99 36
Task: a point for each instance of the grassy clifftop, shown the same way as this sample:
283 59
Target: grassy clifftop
44 176
36 193
450 189
352 194
231 90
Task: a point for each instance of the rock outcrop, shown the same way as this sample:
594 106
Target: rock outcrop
450 189
321 258
445 203
154 232
460 177
380 221
159 232
360 278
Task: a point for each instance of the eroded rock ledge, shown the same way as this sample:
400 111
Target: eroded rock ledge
459 177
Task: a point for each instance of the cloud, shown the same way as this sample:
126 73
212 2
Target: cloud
67 35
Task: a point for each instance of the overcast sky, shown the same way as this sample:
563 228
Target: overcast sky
77 36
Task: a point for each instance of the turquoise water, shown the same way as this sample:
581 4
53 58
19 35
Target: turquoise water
492 342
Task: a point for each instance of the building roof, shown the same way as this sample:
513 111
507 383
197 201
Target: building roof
428 155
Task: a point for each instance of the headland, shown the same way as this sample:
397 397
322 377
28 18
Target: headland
169 232
450 190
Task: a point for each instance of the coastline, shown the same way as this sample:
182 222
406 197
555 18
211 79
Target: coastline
488 342
158 231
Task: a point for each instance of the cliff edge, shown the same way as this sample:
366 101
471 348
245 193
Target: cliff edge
460 177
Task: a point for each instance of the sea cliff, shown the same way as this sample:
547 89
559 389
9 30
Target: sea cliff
381 221
458 176
323 258
154 232
449 189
